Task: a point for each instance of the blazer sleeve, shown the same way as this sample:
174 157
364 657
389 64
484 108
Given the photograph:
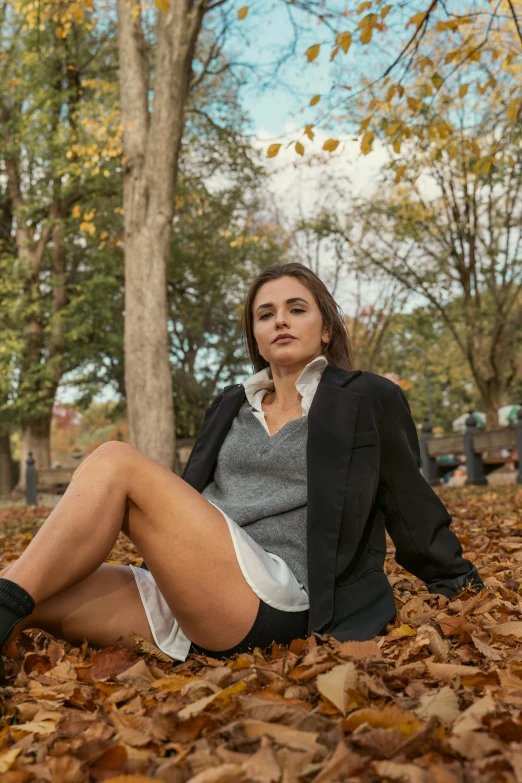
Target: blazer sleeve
415 517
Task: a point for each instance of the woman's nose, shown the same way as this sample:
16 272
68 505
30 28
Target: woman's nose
281 321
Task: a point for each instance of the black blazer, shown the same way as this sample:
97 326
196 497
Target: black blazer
363 475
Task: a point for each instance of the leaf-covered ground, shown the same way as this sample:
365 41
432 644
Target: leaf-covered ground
439 698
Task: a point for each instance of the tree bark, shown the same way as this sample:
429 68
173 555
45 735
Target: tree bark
36 438
152 143
6 466
36 429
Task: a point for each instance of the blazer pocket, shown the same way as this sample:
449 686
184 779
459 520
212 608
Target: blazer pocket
364 439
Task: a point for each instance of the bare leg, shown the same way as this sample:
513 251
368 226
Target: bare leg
110 593
183 538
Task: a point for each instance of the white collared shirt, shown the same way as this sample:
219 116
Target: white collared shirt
261 383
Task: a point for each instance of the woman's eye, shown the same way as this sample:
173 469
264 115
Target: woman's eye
293 310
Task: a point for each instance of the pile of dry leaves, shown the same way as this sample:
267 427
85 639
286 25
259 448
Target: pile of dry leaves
439 698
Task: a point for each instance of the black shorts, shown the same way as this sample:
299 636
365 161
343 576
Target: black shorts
270 625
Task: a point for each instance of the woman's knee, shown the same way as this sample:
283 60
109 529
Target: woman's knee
110 460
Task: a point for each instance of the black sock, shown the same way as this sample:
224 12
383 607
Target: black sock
15 598
15 604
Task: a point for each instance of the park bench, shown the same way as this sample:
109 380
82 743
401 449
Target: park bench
54 480
470 448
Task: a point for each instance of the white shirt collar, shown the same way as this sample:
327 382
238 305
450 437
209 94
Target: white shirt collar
259 384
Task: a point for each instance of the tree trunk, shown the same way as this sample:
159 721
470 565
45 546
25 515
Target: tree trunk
36 436
151 148
6 466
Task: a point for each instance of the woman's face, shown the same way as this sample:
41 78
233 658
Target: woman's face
287 306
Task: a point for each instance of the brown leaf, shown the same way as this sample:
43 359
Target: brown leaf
35 663
110 761
402 773
283 735
442 704
475 744
512 628
225 773
262 766
67 769
486 650
471 718
110 662
358 651
148 648
342 764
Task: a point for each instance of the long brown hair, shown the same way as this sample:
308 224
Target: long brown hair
338 351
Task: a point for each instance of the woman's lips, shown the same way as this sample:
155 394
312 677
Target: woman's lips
284 340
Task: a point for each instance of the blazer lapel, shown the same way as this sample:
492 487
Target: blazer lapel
214 429
332 420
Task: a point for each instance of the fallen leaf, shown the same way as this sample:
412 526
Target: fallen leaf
442 704
335 684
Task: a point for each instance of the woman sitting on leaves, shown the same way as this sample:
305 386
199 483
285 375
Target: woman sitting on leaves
276 528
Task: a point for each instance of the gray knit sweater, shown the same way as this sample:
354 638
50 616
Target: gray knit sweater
260 482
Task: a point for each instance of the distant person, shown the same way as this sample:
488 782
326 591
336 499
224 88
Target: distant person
277 527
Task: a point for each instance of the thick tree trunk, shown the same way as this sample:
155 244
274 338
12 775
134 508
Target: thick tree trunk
35 439
151 148
6 466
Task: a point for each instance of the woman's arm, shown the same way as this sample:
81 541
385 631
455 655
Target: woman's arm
415 517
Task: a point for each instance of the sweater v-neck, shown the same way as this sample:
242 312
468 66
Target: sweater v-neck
280 430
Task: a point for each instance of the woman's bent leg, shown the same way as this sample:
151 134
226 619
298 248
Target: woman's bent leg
184 539
105 608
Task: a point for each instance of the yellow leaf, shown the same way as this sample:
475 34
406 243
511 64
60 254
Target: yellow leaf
363 7
334 53
273 150
37 727
76 211
8 758
312 52
173 682
404 630
299 148
390 93
60 32
366 142
513 110
162 5
414 104
241 14
344 40
416 19
463 89
366 34
436 80
330 145
315 100
397 145
12 83
309 132
385 11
